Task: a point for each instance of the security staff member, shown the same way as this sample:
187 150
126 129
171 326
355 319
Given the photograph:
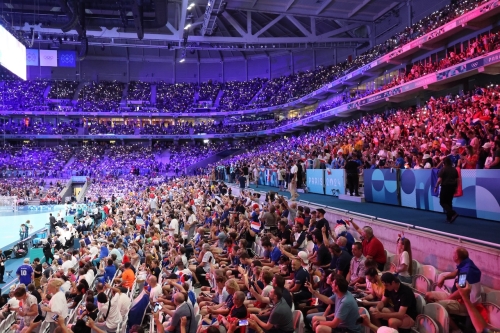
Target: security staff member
448 179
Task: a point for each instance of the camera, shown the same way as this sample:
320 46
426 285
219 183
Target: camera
243 322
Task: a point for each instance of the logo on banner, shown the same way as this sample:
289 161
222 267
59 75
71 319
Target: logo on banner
67 58
48 58
31 57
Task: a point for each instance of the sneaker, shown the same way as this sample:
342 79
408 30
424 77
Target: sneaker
197 285
453 218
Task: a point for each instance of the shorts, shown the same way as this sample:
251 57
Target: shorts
453 307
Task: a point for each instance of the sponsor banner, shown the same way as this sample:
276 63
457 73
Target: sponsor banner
334 181
451 72
491 58
315 180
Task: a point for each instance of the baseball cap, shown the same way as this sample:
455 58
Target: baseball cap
487 145
303 256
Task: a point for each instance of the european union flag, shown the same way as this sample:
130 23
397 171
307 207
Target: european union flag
66 58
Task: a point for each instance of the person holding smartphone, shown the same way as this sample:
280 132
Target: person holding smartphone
453 302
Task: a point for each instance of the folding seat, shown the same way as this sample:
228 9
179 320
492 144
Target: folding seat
439 314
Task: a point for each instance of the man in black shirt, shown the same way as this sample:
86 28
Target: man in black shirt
403 312
242 179
321 221
2 266
351 168
448 179
341 261
323 255
37 267
284 233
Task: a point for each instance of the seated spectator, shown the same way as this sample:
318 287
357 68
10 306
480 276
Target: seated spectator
357 266
342 313
280 318
398 307
404 265
453 303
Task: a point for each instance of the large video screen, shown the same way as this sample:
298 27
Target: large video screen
12 54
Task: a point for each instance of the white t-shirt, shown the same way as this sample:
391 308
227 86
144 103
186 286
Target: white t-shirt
94 251
155 293
404 258
174 224
58 305
206 257
67 265
124 304
114 317
294 170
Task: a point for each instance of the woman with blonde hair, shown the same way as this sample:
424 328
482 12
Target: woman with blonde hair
57 305
404 266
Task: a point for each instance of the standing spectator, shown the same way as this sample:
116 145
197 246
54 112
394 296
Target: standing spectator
372 247
293 181
351 169
448 179
57 305
2 266
25 272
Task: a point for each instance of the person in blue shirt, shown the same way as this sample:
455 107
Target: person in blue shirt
274 254
400 161
109 272
103 254
25 272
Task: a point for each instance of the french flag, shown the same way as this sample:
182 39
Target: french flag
255 226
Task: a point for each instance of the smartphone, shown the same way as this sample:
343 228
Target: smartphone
243 322
359 300
157 307
55 317
462 279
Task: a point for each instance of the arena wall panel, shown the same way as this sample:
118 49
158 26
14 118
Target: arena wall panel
235 71
258 67
210 71
281 65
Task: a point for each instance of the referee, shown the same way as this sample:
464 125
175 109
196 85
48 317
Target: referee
448 179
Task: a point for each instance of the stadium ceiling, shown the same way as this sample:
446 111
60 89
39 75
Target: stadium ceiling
246 25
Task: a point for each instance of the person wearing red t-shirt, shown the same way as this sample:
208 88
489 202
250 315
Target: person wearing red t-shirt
372 247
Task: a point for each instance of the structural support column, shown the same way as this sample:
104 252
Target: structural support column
292 63
408 5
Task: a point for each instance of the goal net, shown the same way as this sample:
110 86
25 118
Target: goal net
8 203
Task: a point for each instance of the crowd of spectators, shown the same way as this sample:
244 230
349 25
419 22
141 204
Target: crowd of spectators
174 97
238 94
22 95
39 127
100 96
139 91
122 129
40 159
199 258
208 91
62 90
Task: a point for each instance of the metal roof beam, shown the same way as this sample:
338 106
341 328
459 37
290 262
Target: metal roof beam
235 24
385 10
289 4
105 33
299 26
269 25
182 21
341 30
323 6
359 7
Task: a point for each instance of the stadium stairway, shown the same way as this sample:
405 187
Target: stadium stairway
47 91
74 100
164 157
214 159
254 98
153 94
70 161
218 98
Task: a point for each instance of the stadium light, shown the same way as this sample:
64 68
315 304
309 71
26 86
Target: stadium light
191 6
187 26
182 60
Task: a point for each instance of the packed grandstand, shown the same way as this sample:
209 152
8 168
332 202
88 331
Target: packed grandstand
166 230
